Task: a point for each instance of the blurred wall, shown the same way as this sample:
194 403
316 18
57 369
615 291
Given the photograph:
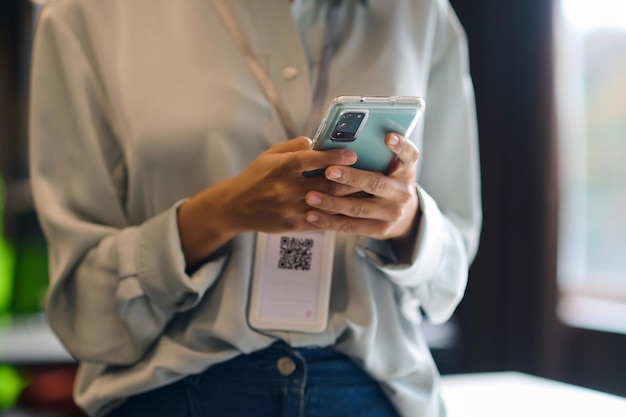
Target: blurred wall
508 317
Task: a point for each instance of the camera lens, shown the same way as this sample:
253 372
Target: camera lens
348 125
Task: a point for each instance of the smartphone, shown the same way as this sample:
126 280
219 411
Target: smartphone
360 124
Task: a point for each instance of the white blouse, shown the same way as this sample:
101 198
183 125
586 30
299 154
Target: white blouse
137 105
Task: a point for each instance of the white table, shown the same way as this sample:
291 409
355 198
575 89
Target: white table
30 341
512 394
499 394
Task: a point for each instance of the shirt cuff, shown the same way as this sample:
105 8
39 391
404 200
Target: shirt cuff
427 251
154 252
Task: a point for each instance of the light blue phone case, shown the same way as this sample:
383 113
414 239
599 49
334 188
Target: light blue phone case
380 115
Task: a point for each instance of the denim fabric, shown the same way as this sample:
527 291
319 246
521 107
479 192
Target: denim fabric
323 383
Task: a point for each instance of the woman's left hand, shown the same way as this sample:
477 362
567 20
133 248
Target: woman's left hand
389 213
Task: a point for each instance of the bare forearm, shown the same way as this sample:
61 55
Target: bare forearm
404 246
267 196
203 226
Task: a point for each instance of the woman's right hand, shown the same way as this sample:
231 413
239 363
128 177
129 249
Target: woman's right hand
267 196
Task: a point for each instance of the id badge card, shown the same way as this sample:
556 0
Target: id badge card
291 281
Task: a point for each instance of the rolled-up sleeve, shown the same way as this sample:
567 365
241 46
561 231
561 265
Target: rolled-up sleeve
114 286
449 187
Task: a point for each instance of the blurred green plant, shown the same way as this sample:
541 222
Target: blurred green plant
10 388
11 383
7 262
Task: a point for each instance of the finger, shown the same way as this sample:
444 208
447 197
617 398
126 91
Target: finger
301 143
301 158
335 189
405 150
355 207
313 160
366 227
373 183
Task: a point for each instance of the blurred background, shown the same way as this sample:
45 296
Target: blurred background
547 291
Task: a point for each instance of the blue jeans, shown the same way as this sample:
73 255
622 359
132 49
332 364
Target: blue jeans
279 381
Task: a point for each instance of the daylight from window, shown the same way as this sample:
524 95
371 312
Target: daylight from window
591 76
588 15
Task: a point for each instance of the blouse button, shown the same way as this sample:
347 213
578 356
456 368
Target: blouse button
285 366
290 73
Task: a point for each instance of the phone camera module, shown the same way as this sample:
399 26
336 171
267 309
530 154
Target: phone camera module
348 125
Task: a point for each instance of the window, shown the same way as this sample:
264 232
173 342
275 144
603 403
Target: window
591 97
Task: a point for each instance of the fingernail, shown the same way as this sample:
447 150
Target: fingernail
314 200
349 156
334 173
394 139
312 218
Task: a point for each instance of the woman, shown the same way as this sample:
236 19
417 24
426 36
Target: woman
157 154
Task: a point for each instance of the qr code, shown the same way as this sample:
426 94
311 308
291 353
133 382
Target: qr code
295 253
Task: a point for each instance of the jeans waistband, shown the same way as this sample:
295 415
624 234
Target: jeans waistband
279 360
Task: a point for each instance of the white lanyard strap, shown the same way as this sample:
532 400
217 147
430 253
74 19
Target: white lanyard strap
265 80
330 43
